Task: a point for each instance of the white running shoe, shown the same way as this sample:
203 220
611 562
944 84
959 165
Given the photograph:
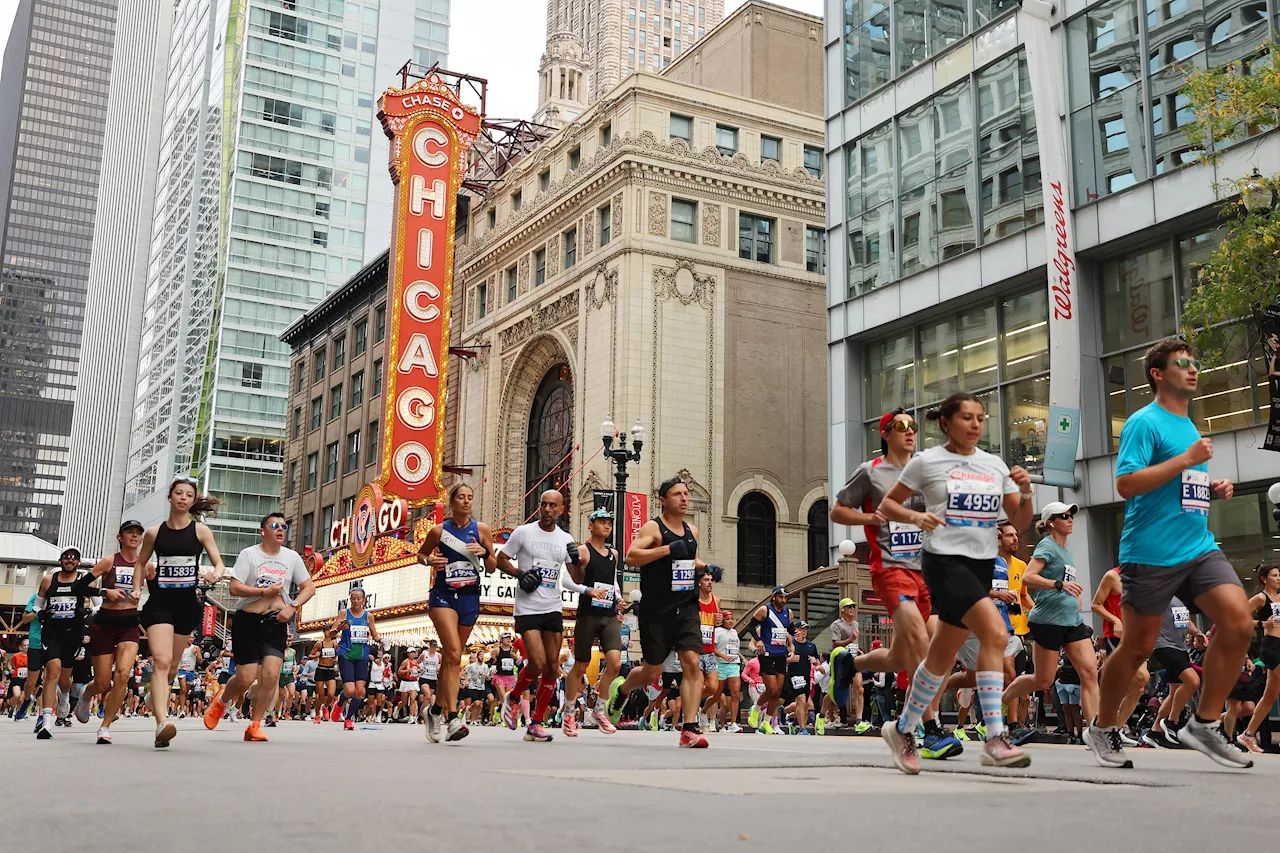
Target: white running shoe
1107 748
433 727
104 735
1208 738
82 707
457 730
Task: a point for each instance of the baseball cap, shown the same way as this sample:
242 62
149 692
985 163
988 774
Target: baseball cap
779 590
801 624
846 602
129 524
602 512
876 644
1057 508
67 552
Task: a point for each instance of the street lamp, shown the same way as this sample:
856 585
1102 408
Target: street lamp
620 456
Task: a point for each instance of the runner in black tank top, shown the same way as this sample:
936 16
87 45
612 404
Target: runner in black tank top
668 611
1266 610
61 605
172 610
594 576
114 636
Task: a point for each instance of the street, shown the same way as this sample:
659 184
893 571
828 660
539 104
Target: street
332 790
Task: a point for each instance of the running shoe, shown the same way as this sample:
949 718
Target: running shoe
347 725
214 714
42 728
1157 739
1249 742
511 712
803 732
64 704
270 722
616 700
1208 738
902 747
317 719
336 714
254 734
820 725
940 747
571 725
653 721
435 722
605 725
753 718
1019 736
862 727
1000 752
1107 748
165 732
104 735
692 740
84 710
457 730
537 734
766 727
981 729
732 728
22 711
1125 740
960 733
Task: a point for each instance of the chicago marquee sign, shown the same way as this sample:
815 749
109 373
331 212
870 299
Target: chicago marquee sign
430 131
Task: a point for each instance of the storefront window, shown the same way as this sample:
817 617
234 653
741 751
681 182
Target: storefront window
1138 294
1024 340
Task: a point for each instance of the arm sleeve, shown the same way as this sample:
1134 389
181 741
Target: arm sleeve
913 475
569 583
85 583
854 493
1137 445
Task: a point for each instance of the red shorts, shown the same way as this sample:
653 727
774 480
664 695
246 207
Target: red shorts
110 629
893 584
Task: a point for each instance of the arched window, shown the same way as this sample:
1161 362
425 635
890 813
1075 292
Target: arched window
819 541
757 540
550 439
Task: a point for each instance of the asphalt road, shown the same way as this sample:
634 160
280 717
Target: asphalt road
326 790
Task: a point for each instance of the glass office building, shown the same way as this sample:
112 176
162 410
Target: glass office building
53 98
937 279
272 192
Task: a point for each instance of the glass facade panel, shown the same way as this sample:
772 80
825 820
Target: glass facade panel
1137 291
1024 336
890 374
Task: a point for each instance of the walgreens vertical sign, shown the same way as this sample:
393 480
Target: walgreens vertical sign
430 132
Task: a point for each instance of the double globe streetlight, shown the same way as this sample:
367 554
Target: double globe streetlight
620 456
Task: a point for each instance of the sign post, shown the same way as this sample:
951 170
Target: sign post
430 131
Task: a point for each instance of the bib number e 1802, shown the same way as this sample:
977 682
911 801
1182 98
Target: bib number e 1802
1195 492
973 503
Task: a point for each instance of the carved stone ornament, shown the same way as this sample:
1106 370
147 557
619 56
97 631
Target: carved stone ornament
542 319
588 234
710 224
616 213
658 214
684 284
602 288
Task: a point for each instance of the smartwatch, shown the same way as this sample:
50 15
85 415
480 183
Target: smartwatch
1057 585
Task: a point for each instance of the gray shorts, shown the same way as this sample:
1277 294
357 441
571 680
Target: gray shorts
1149 589
707 662
968 655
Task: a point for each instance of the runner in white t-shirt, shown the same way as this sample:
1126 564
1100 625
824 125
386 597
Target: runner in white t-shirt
540 549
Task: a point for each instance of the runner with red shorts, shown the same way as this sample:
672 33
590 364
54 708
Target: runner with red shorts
895 564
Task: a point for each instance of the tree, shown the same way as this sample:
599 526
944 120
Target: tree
1241 278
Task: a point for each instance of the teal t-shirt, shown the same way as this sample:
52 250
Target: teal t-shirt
1169 525
33 627
1053 607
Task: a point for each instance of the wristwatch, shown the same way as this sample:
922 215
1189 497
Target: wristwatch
1057 585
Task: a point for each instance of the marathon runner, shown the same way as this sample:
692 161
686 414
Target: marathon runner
1017 611
19 669
262 577
456 551
540 549
709 618
1106 603
1166 549
428 673
62 608
772 651
964 488
288 692
1055 621
173 610
594 575
504 667
379 686
665 550
325 654
798 687
115 635
407 692
35 660
728 652
306 687
358 628
1266 610
1172 654
845 686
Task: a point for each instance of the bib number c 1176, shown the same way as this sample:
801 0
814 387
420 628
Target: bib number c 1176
905 540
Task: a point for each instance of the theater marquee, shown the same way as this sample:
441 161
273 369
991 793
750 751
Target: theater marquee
430 132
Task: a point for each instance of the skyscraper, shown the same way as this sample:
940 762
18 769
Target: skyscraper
53 99
271 193
117 277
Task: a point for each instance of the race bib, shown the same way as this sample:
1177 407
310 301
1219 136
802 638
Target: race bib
176 572
359 634
124 577
607 601
21 673
1275 610
1195 492
777 636
62 606
328 653
732 647
1000 584
973 503
905 540
682 575
550 573
287 668
797 682
708 634
1068 574
1181 618
460 574
508 666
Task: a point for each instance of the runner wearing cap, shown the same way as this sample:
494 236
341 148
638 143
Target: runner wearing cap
114 636
62 608
896 576
504 666
845 688
798 686
594 577
772 650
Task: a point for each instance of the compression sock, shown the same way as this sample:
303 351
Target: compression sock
689 727
546 690
989 687
924 686
525 680
524 709
353 710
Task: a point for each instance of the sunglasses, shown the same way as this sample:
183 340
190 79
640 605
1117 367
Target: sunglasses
906 426
1184 362
1062 515
278 525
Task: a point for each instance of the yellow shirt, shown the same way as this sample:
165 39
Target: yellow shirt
1016 570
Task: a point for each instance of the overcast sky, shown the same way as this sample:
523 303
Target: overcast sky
500 40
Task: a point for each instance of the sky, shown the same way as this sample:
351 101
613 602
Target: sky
500 40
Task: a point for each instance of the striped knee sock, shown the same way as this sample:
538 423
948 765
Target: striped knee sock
924 686
990 689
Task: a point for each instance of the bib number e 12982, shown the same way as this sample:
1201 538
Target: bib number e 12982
682 576
1195 492
973 503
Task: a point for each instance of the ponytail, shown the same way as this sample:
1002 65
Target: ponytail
205 506
948 407
1041 527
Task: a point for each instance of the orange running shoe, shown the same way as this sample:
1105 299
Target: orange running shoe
214 713
254 733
